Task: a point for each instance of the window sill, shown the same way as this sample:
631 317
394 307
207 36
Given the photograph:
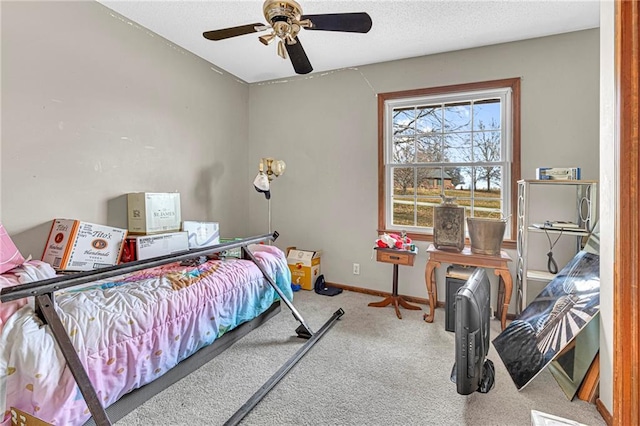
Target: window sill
506 244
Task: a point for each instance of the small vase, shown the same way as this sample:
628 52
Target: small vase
448 225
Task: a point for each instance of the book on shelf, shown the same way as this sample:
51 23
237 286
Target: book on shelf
557 224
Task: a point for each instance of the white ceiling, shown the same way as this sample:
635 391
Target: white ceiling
401 29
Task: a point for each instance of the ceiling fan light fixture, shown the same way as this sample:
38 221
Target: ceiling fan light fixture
305 23
282 51
267 38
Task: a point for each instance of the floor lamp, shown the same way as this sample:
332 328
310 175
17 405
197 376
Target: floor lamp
268 169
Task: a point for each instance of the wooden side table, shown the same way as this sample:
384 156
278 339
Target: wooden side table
396 257
499 264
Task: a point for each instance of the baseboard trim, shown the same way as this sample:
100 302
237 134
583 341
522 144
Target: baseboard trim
606 415
420 300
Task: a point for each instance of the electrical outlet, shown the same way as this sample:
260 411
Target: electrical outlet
356 269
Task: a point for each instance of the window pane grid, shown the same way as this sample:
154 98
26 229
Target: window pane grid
453 149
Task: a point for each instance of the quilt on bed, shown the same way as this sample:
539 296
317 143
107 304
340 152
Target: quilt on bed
130 330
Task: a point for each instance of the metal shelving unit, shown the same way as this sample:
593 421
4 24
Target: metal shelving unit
585 216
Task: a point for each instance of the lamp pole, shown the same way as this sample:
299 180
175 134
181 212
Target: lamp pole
271 168
269 202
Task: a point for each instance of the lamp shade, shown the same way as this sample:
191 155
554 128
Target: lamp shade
278 167
261 184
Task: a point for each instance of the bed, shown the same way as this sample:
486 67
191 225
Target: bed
128 331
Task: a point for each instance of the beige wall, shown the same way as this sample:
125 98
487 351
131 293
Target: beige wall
325 127
93 107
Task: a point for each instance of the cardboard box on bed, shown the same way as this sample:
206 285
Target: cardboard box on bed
304 266
235 252
202 234
82 246
153 212
140 247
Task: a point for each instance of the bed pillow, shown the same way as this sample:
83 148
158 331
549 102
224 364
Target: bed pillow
10 257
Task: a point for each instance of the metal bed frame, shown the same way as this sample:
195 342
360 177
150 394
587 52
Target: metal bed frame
43 292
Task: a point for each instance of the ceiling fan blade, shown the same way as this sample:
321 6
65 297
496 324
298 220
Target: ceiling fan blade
232 31
358 22
298 58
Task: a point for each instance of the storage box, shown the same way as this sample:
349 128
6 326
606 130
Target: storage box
304 266
235 252
81 246
201 234
153 212
140 247
558 173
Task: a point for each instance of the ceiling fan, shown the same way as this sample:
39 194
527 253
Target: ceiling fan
286 20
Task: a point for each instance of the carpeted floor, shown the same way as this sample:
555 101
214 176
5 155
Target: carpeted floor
369 369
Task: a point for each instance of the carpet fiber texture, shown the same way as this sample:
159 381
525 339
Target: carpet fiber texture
370 369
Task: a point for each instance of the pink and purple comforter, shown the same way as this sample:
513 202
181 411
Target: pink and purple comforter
130 330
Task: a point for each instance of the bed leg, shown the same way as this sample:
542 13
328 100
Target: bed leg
303 331
45 308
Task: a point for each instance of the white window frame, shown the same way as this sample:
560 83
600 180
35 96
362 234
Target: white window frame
506 139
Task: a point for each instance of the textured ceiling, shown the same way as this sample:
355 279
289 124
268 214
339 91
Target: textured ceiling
401 29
